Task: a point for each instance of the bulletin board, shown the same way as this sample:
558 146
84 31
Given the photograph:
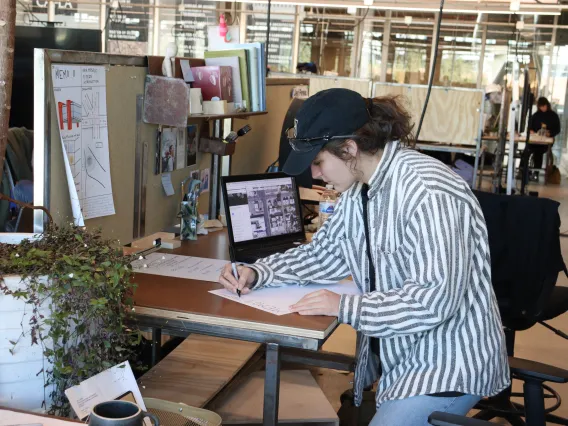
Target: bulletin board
141 205
453 115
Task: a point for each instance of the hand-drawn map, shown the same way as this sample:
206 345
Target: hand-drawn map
80 98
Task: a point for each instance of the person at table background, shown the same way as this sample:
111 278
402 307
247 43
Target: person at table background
546 122
427 316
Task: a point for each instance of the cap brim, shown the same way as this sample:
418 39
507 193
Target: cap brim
298 162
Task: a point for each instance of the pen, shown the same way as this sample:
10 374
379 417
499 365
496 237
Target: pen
234 267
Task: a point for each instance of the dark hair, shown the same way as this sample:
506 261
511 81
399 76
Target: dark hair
542 101
389 121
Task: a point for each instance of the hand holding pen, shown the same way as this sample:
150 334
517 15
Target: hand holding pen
242 284
236 275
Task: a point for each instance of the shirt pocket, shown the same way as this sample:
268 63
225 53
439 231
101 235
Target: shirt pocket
390 269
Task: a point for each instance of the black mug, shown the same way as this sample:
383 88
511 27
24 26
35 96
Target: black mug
119 413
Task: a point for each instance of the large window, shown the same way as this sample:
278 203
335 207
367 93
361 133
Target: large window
281 33
185 23
326 39
372 44
69 14
409 48
128 28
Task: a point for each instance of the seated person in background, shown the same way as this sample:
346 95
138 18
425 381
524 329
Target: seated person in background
307 67
544 122
428 323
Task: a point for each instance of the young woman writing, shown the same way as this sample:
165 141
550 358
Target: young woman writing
413 237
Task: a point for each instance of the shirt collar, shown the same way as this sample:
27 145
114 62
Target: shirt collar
391 148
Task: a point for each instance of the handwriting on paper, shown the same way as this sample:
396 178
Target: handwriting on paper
173 265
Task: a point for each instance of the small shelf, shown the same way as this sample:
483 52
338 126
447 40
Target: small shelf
209 117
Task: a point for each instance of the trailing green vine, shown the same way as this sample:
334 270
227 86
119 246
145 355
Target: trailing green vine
79 289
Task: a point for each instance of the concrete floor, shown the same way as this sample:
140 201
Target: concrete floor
537 343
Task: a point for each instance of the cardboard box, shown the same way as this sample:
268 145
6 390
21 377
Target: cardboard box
218 107
214 81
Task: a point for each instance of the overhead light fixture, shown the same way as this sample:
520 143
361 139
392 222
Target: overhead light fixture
114 5
515 5
352 10
368 2
408 19
181 7
520 25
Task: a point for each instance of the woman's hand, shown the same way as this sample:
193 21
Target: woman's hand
246 278
321 302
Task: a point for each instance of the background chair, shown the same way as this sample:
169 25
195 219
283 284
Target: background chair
524 240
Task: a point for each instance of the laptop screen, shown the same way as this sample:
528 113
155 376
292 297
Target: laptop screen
263 208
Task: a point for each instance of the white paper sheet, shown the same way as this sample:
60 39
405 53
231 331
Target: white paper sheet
277 300
80 102
106 386
173 265
181 147
186 71
167 184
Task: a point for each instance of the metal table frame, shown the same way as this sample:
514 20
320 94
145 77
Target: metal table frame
475 150
274 343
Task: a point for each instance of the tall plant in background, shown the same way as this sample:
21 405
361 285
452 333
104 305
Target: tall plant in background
80 291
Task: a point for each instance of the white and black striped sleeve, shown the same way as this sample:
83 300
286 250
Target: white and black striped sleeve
320 261
437 257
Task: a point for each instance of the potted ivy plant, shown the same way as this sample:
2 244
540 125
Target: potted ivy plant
70 293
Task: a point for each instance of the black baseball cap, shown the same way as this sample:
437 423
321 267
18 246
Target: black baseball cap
327 115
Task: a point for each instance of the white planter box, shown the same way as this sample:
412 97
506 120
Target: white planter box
21 386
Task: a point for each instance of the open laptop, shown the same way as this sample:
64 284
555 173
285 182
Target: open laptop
263 214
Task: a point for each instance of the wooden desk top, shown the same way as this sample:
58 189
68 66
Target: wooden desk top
179 298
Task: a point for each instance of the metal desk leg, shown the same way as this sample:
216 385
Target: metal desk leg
271 385
481 167
156 345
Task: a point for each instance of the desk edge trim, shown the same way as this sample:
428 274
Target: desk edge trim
236 323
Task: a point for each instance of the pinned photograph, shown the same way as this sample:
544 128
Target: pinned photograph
168 157
205 180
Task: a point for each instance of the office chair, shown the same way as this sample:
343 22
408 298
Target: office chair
526 259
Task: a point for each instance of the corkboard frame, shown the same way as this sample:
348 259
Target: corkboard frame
140 202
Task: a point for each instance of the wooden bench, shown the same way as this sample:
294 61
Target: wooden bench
198 369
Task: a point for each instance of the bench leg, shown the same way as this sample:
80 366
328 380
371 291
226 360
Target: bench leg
271 385
156 345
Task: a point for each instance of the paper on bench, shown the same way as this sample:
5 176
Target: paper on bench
105 386
277 300
173 265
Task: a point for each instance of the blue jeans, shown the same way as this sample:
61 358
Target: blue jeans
414 411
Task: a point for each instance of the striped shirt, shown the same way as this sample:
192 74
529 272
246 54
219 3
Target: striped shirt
434 309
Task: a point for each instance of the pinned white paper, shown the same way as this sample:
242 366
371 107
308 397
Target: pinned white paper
167 184
80 100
